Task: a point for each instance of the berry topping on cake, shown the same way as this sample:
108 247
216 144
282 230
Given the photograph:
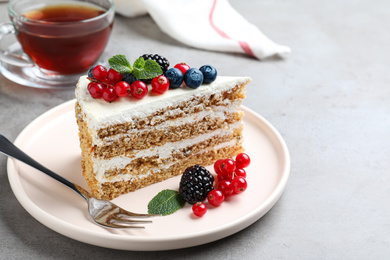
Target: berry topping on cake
95 89
129 78
183 67
162 61
175 77
138 89
160 84
149 68
196 182
109 94
209 73
90 73
100 73
113 77
122 89
193 78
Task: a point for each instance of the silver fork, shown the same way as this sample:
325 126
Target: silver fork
103 212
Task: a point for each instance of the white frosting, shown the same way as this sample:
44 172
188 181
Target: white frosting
99 113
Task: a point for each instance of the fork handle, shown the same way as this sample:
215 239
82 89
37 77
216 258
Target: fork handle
8 148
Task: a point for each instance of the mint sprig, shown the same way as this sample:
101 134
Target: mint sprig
142 69
147 69
120 63
166 202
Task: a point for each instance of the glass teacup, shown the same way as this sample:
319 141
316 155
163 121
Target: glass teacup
56 40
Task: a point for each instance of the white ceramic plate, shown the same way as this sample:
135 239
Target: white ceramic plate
52 140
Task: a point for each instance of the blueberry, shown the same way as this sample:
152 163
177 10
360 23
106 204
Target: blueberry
209 73
193 78
129 78
175 77
90 74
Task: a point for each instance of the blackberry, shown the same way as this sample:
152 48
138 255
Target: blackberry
146 81
129 78
162 61
196 182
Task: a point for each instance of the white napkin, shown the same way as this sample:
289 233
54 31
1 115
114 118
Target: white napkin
206 24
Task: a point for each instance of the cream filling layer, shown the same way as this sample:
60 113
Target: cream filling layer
164 151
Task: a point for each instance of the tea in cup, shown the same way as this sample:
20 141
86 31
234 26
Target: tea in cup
61 39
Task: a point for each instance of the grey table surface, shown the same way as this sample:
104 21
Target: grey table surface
330 102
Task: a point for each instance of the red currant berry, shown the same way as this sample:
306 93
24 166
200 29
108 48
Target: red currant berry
240 172
228 166
225 176
109 95
215 198
138 89
183 67
199 209
122 89
242 160
220 178
239 184
113 76
217 166
226 187
95 89
100 73
160 84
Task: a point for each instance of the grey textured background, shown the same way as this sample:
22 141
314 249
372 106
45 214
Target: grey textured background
330 102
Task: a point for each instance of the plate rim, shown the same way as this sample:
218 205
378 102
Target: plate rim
76 233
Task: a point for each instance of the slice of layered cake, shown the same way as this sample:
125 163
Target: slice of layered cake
128 144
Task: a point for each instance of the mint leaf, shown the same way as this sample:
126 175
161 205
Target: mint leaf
139 63
166 202
153 66
120 63
146 69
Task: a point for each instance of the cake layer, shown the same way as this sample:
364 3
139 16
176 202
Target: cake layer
128 144
202 123
143 160
109 190
104 119
189 106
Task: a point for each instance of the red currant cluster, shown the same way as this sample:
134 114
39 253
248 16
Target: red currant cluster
109 85
231 179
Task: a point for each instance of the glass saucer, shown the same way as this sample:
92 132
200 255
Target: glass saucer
32 76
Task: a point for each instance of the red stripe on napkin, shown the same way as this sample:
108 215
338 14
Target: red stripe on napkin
244 45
